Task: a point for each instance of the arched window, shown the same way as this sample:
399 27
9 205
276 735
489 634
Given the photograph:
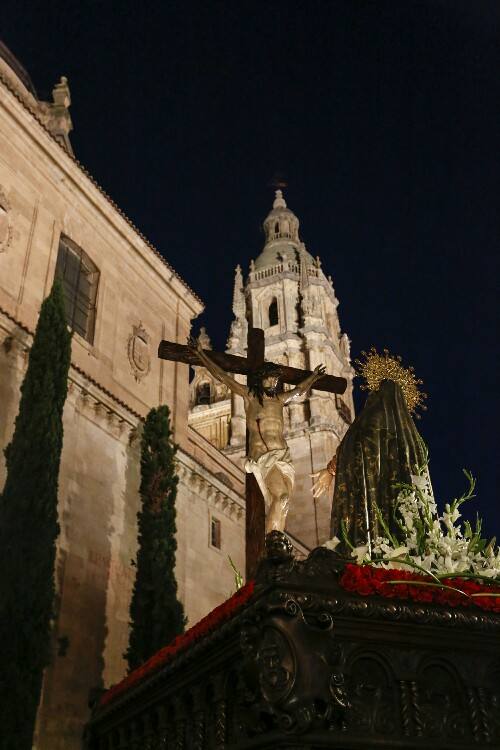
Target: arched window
277 228
80 278
203 393
273 312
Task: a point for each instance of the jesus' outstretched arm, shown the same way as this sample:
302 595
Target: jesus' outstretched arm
217 371
304 386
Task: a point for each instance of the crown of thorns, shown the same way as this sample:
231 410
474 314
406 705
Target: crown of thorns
266 370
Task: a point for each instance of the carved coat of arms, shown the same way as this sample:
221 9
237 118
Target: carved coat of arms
138 352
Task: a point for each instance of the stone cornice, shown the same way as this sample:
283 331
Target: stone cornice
294 276
95 193
204 484
100 407
210 411
96 394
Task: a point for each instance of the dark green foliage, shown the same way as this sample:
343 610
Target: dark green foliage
156 614
29 526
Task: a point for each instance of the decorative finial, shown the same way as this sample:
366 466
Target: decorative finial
279 201
238 294
378 367
304 273
204 338
61 94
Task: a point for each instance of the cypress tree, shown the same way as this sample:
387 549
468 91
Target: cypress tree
29 526
156 615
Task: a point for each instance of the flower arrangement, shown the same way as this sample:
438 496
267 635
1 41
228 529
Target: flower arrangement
406 584
445 561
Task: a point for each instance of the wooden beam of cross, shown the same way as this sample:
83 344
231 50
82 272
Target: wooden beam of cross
253 360
255 517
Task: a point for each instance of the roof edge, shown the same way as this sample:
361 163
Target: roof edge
101 190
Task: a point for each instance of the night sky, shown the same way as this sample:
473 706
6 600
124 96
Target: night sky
384 119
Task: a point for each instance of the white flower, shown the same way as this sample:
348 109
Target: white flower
435 543
408 517
360 553
332 543
491 573
420 481
398 552
449 518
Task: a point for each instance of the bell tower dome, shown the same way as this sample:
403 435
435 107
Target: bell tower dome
281 230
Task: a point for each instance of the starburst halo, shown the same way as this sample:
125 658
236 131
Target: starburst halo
375 368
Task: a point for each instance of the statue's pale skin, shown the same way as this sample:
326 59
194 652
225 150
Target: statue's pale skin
324 478
265 435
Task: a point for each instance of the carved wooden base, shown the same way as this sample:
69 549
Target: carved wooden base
307 665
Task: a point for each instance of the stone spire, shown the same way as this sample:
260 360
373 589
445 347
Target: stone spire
304 275
305 291
279 201
204 338
238 294
55 114
238 334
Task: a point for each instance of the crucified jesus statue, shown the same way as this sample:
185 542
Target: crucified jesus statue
268 456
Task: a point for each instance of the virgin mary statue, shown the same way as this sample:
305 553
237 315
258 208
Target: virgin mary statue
381 448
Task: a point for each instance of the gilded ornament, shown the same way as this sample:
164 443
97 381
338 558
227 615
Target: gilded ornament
378 367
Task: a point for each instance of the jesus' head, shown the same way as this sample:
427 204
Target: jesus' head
266 380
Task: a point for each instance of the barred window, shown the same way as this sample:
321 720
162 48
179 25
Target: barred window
80 278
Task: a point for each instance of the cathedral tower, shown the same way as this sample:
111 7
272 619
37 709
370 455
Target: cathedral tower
288 295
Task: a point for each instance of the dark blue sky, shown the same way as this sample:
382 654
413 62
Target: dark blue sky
384 116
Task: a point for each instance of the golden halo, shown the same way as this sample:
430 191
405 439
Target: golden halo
378 367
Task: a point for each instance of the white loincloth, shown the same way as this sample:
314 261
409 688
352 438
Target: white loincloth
279 458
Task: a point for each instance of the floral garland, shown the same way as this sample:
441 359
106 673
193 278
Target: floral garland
405 584
206 625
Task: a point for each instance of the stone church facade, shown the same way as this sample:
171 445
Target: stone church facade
122 299
287 294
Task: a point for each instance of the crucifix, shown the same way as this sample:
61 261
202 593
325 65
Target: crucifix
270 472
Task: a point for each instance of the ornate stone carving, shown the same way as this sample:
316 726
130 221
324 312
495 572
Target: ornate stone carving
5 222
138 352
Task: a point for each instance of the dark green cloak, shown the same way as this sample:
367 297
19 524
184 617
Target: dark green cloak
382 446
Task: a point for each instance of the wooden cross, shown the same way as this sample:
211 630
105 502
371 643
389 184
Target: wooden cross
255 510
